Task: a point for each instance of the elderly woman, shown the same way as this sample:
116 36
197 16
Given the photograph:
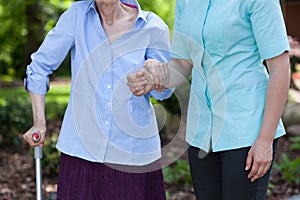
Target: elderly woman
233 122
109 143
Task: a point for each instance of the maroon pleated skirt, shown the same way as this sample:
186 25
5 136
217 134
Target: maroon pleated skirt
79 179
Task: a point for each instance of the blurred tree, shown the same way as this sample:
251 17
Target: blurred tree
12 34
23 27
163 8
35 29
25 23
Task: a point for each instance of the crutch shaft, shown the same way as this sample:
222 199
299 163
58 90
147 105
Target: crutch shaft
38 170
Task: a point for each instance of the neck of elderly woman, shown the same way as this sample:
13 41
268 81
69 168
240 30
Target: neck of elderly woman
109 10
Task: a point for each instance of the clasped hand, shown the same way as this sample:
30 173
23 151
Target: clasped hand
154 75
41 128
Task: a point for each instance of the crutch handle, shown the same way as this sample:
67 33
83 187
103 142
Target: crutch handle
36 136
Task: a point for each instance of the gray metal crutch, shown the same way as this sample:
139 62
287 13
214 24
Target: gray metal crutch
38 154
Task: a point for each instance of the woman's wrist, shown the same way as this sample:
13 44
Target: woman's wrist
266 138
40 122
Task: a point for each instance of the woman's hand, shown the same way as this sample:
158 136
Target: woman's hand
35 128
158 75
159 71
140 83
259 159
261 153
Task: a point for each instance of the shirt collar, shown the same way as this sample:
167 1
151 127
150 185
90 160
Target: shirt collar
141 13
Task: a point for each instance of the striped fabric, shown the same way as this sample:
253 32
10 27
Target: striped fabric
103 122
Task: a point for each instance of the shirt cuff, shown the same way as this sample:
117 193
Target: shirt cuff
37 86
272 50
162 95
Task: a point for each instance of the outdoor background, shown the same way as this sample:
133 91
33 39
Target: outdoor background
23 25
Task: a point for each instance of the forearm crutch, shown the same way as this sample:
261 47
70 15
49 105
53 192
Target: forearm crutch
36 136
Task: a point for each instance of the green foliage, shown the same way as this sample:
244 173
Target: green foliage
295 143
163 8
16 114
55 110
290 169
171 104
12 34
170 128
15 118
271 186
56 101
167 194
14 41
52 9
10 93
294 61
51 155
178 173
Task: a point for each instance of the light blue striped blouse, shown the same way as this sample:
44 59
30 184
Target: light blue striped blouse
103 122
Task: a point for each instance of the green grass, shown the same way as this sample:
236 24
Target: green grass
12 93
56 100
59 94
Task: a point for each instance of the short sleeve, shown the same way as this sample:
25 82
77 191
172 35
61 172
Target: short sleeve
179 45
268 28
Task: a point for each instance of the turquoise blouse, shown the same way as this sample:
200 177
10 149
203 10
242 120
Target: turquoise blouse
227 42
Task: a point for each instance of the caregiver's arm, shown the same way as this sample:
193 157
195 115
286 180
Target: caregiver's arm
158 75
